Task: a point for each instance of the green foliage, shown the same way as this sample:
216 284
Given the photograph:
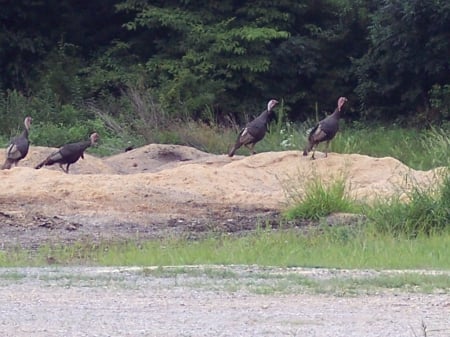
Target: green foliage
407 57
427 211
440 99
56 135
199 55
112 72
419 149
436 142
14 107
316 199
231 56
58 75
24 39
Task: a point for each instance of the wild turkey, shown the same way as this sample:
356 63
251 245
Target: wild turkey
254 131
18 147
69 153
325 130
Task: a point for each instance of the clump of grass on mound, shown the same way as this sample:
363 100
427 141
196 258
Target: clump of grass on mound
426 212
318 199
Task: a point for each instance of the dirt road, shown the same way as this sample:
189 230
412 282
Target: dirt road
197 302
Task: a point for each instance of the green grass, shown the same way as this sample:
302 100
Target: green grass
317 199
427 211
421 149
339 247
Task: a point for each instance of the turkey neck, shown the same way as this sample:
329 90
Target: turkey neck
264 116
336 113
87 144
25 133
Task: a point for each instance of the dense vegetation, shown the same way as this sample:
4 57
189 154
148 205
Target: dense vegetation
134 68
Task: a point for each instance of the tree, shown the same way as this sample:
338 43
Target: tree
21 41
409 53
314 65
202 52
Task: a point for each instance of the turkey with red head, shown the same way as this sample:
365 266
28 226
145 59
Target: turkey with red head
325 130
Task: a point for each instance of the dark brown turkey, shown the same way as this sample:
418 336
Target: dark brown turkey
18 147
254 131
69 153
325 130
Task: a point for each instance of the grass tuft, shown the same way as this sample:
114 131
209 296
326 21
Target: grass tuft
317 199
427 211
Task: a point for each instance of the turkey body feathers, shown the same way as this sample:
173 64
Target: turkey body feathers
68 154
254 131
18 147
325 130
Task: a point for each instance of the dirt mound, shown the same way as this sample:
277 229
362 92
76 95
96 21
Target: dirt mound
169 174
156 157
156 184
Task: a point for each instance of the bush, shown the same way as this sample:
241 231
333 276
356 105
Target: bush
55 135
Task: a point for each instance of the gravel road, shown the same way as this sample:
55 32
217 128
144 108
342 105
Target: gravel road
210 301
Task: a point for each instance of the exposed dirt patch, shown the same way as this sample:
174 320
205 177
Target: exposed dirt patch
165 189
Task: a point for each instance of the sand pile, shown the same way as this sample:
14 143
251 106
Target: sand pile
168 180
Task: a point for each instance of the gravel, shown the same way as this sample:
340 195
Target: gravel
209 301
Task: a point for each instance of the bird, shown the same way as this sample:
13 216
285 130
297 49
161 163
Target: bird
18 147
69 153
325 130
254 131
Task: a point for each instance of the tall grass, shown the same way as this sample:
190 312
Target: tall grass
422 149
419 149
135 118
427 211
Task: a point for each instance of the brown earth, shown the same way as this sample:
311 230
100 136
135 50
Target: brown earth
160 190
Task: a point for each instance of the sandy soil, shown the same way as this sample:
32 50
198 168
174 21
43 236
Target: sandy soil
160 189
